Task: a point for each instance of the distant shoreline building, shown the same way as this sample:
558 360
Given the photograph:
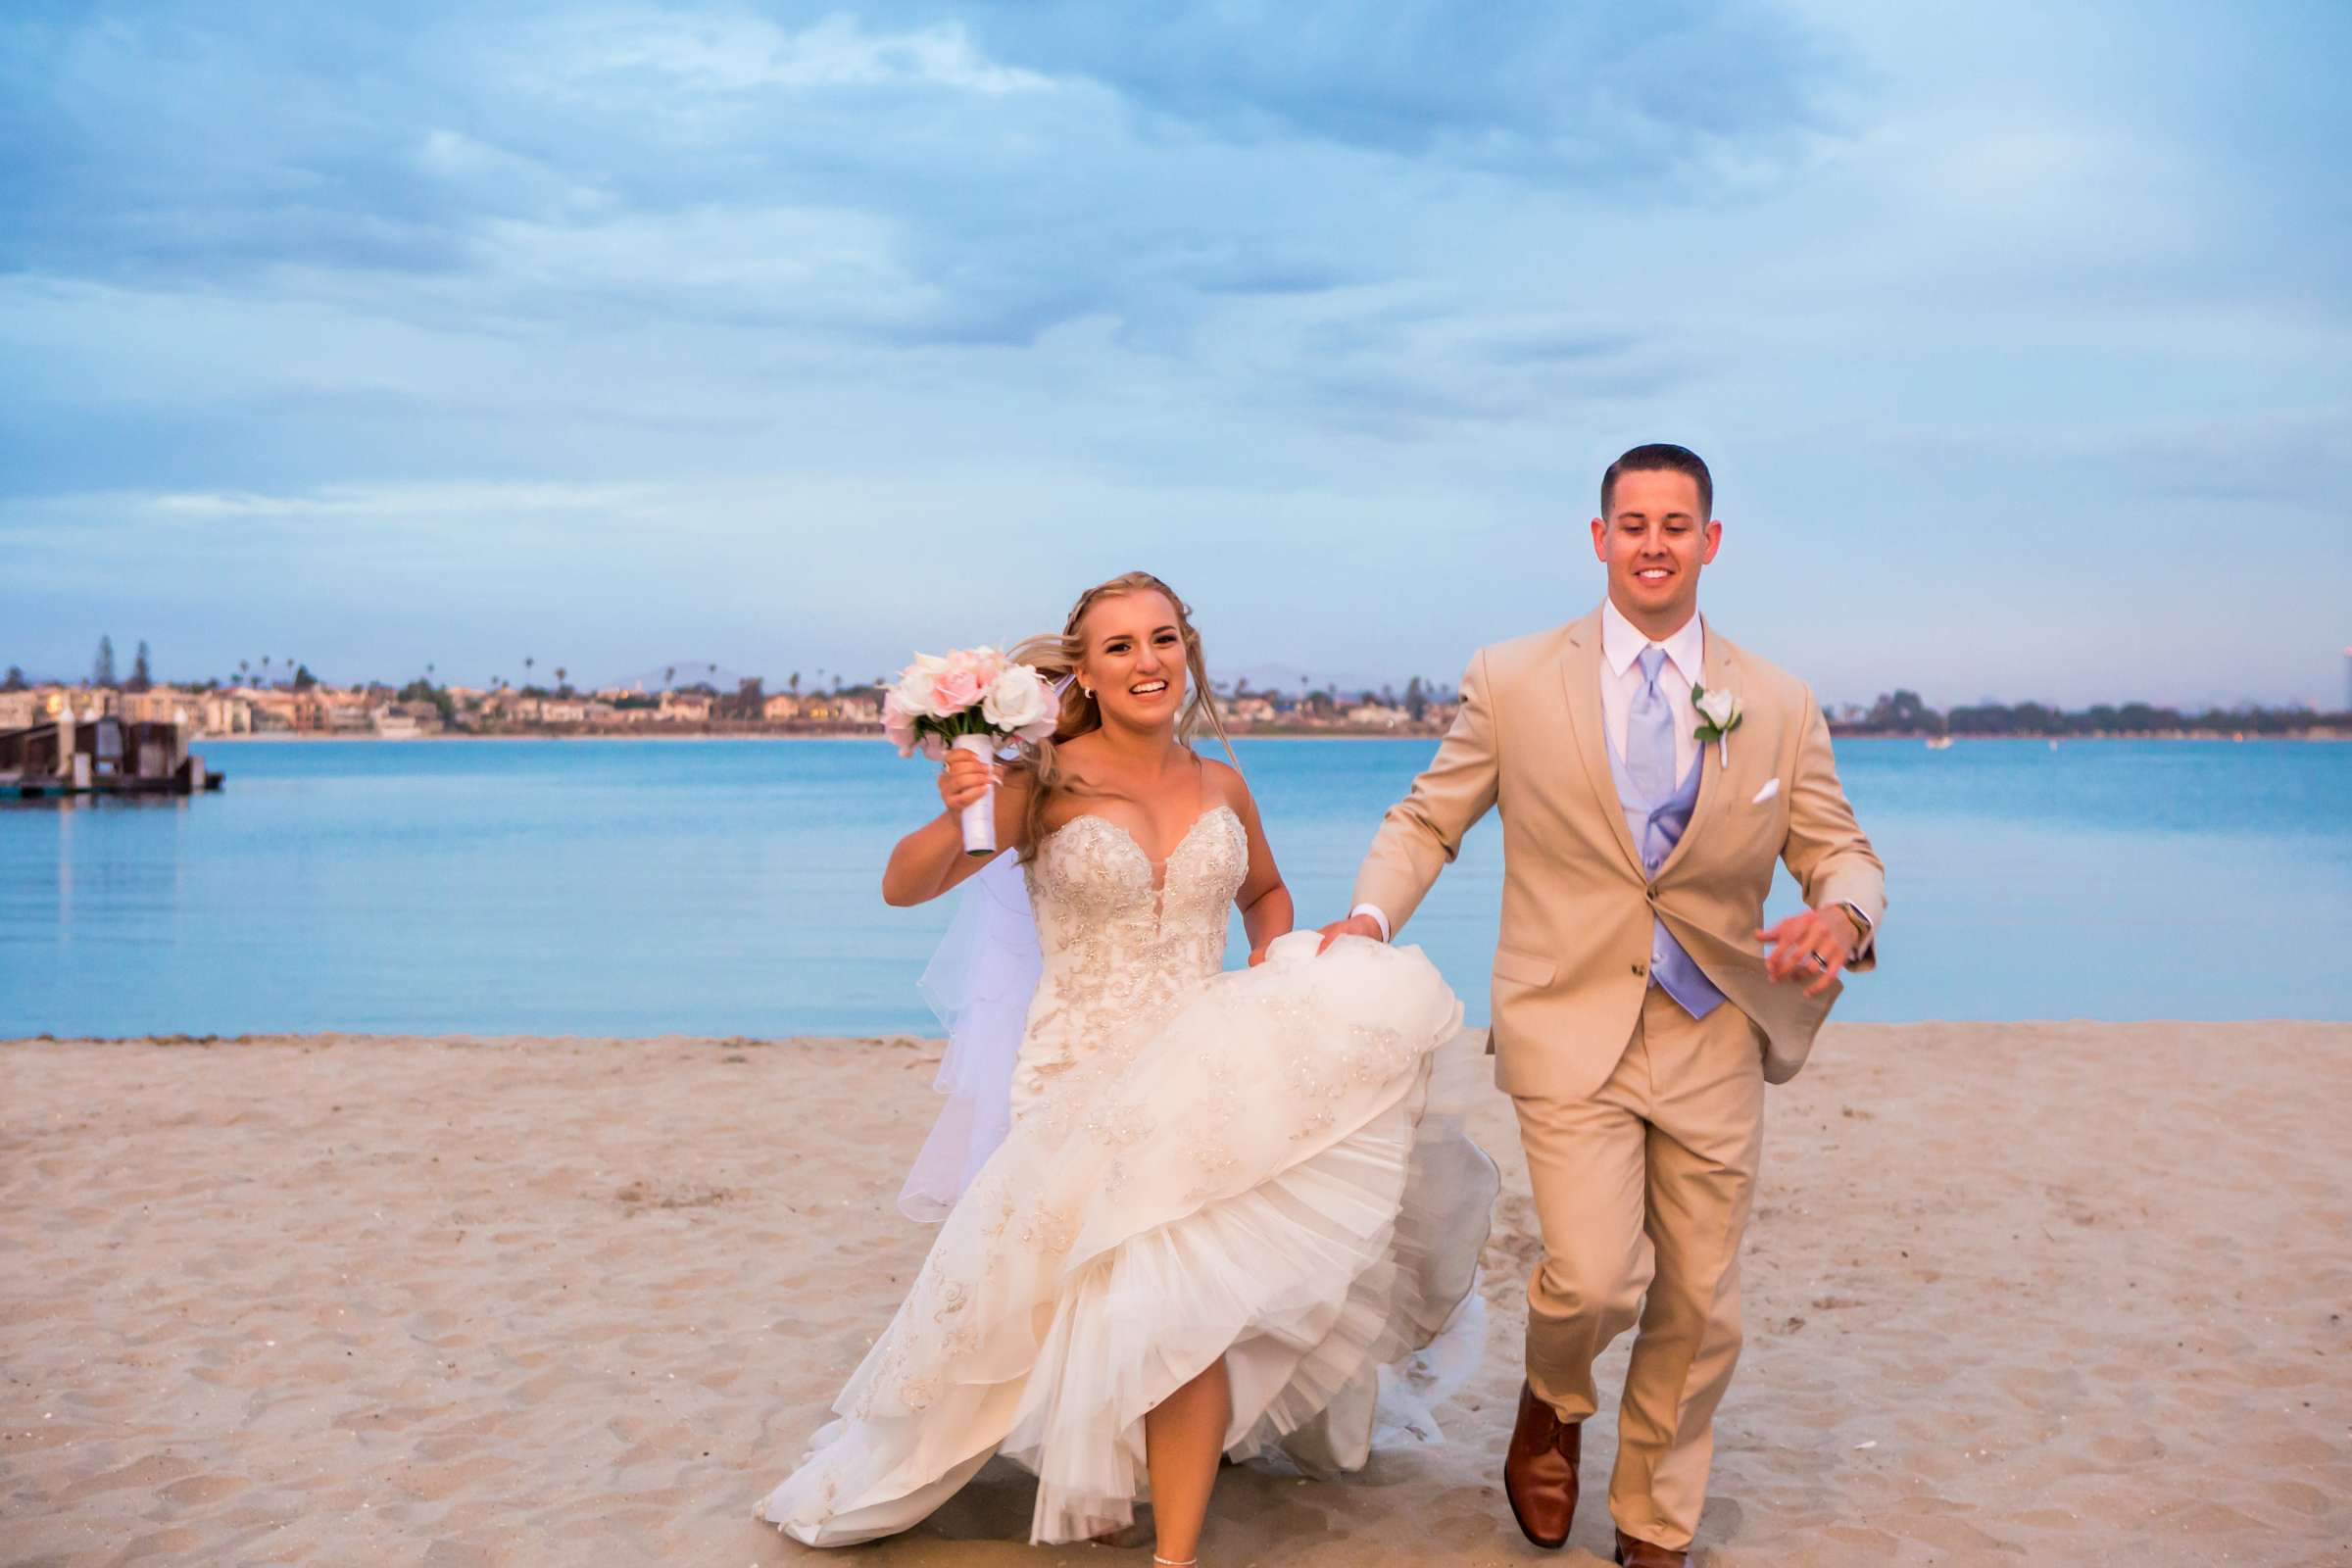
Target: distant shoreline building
420 709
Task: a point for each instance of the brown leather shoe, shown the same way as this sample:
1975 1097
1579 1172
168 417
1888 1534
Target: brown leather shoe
1538 1474
1632 1554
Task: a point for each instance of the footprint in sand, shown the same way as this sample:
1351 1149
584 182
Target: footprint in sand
2139 1449
199 1489
146 1473
174 1545
2298 1496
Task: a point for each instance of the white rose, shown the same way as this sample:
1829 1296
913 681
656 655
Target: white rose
1016 700
1717 707
914 686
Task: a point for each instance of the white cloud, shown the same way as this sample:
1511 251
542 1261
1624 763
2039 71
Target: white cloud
668 310
735 52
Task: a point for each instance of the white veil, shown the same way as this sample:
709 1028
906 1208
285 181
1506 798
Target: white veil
979 982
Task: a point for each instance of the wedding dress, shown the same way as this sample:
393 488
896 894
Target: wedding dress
1199 1164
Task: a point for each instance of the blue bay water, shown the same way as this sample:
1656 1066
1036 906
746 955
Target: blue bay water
631 887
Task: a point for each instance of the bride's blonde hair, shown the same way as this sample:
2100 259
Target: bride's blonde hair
1057 658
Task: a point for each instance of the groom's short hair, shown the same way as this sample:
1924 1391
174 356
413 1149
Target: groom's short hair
1660 454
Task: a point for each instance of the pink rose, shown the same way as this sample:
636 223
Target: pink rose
898 724
955 688
969 673
989 666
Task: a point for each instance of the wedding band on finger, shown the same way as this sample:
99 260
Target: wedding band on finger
1819 963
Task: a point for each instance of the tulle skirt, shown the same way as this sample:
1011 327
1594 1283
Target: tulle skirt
1259 1182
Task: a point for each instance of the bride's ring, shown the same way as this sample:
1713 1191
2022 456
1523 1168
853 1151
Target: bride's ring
1819 963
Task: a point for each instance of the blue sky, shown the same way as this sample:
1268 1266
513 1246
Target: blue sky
792 336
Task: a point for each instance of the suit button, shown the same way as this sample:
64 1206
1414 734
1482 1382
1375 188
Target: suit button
1636 968
1653 893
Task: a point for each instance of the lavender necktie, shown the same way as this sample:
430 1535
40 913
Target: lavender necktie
1649 731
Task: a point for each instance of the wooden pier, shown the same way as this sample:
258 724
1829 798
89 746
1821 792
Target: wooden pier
100 755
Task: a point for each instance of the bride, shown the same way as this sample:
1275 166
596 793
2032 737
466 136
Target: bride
1219 1211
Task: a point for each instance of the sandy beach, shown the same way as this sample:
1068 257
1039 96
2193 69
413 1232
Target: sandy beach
2015 1293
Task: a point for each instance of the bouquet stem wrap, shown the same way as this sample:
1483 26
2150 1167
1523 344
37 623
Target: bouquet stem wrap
979 819
975 700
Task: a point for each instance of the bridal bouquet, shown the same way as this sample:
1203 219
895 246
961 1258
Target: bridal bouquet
975 700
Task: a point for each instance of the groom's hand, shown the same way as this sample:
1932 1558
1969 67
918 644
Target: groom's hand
1355 925
1811 947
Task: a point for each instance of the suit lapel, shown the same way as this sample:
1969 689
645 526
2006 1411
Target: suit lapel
1580 670
1722 666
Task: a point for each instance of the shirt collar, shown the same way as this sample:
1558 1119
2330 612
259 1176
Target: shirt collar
1621 643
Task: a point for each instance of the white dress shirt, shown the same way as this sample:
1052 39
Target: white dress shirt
1621 646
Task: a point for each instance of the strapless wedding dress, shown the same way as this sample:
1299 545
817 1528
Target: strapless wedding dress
1201 1164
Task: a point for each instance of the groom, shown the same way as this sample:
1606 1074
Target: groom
1649 773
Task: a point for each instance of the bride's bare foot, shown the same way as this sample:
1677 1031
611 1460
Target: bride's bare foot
1137 1532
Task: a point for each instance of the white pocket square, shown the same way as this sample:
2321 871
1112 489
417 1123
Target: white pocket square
1771 787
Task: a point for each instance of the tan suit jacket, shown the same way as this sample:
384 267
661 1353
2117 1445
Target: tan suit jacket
1574 956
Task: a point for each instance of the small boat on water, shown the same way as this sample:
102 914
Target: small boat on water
100 754
1939 743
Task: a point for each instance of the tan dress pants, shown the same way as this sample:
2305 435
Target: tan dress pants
1644 1185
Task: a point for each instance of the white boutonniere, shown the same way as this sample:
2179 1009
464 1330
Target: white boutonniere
1719 713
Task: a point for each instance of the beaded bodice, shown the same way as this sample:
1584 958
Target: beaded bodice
1124 943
